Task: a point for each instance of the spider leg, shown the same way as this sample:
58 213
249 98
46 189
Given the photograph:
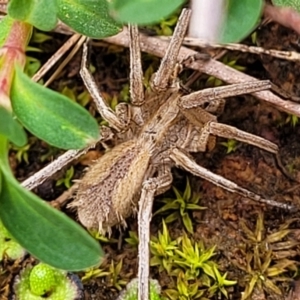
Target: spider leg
137 95
105 111
190 105
151 187
62 161
230 132
203 119
201 138
163 80
162 77
185 162
136 73
202 97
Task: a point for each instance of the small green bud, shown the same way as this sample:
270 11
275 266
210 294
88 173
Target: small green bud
42 279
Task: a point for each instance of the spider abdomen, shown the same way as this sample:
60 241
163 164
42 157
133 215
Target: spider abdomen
109 191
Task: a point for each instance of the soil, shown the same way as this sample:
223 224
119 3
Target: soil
222 224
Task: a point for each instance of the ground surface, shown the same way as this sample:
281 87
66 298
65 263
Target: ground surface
225 221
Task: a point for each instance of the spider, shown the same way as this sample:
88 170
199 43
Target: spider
156 132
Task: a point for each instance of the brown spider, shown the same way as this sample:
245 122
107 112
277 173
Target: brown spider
164 126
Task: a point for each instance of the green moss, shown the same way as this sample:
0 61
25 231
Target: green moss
180 205
267 261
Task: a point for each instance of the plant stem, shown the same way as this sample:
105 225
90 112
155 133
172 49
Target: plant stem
12 53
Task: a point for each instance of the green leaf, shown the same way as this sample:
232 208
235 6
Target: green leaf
272 287
187 192
10 128
143 11
88 17
177 193
291 3
195 206
167 207
241 19
172 217
208 270
39 13
188 223
249 288
31 66
155 261
46 233
51 116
